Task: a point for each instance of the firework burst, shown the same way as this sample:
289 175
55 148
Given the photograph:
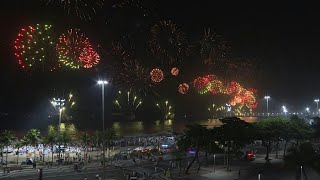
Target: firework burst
75 50
168 42
132 75
183 88
239 95
85 9
175 71
203 84
166 109
156 75
242 69
119 53
142 5
34 48
213 48
127 102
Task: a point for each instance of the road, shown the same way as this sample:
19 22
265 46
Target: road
64 172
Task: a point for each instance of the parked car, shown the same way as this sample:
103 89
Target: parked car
249 156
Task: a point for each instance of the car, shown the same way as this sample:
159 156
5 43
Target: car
249 156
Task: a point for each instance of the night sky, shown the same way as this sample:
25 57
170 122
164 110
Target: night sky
282 36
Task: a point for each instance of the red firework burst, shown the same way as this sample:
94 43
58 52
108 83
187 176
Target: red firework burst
175 71
75 50
202 84
239 95
216 86
233 87
156 75
183 88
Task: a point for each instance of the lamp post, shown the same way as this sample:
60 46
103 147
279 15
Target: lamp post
267 98
166 110
308 109
214 163
103 83
317 101
59 103
284 109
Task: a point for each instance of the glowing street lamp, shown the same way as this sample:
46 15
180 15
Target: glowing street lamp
317 101
59 104
308 109
267 98
284 109
103 83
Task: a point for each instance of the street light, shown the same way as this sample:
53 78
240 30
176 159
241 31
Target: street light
308 109
103 83
284 109
166 110
267 98
301 172
59 104
317 101
214 163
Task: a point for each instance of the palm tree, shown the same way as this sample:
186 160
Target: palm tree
33 137
6 138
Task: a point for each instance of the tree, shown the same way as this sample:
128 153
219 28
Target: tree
24 142
18 146
271 131
33 138
6 139
97 141
301 130
50 140
197 138
316 127
208 145
108 137
85 141
303 155
234 134
65 138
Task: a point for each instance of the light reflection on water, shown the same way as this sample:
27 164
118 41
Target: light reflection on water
136 127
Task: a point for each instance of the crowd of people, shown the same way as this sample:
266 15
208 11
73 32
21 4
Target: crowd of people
142 141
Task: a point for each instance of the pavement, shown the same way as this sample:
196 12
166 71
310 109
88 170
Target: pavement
273 170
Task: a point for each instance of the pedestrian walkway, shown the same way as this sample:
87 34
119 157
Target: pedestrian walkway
26 171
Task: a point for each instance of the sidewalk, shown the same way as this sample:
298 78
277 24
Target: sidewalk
209 173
